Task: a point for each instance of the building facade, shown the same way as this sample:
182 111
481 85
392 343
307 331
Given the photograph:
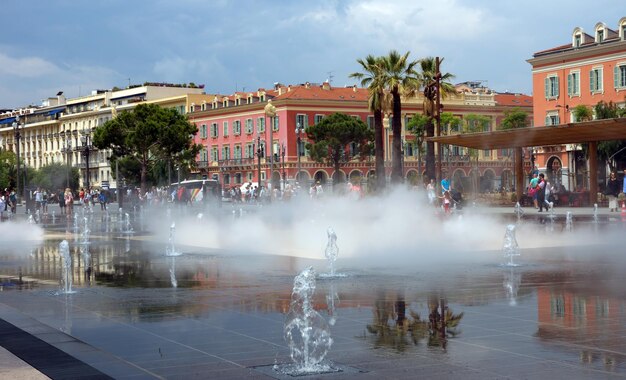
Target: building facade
232 128
60 129
589 69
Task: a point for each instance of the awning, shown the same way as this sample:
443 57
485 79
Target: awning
54 112
573 133
7 120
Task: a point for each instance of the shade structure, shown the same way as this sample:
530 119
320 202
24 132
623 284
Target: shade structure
573 133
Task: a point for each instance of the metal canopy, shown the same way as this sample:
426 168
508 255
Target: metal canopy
573 133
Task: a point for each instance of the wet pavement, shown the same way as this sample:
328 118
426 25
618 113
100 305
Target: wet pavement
213 313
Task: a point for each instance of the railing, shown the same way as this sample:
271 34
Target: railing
236 162
202 164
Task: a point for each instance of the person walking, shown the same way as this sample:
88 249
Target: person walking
541 193
612 191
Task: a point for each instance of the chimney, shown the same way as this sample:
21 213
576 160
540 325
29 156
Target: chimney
326 85
307 85
354 88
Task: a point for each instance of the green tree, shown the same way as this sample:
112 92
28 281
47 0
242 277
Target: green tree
611 148
514 118
401 79
475 123
582 113
333 137
7 169
372 78
146 135
428 75
54 177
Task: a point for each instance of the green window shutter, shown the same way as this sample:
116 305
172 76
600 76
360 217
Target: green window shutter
547 87
306 121
592 86
570 81
616 76
547 120
600 84
556 86
558 120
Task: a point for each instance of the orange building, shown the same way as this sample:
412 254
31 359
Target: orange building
231 128
589 69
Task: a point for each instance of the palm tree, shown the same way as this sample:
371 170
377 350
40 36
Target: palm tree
371 78
400 78
428 75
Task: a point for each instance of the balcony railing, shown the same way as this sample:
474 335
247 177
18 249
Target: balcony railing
202 164
237 162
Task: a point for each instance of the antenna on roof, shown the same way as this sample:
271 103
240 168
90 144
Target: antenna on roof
330 77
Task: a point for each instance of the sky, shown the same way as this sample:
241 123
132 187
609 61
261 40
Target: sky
78 46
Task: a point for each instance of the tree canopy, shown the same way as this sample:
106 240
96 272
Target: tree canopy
54 177
146 135
514 118
337 139
7 169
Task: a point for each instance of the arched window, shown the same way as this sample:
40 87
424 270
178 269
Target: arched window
578 37
600 32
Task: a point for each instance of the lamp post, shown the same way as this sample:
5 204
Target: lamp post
270 112
86 151
283 158
16 130
299 132
68 151
259 154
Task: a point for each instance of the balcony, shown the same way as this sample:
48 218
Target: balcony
237 162
202 164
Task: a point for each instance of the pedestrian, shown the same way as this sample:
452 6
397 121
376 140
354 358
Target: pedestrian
69 201
103 200
447 200
445 184
541 192
430 190
612 191
61 201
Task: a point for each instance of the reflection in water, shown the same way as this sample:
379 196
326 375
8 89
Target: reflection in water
172 261
332 299
511 283
442 323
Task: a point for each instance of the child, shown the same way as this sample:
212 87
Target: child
447 200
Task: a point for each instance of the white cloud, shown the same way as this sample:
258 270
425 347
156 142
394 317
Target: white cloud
27 67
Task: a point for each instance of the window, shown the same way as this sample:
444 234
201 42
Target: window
214 154
249 126
225 124
573 84
486 153
237 152
600 35
577 40
204 155
226 152
552 118
595 80
318 118
236 127
302 121
249 152
250 176
214 132
237 178
370 122
260 124
226 179
203 131
276 123
552 87
619 76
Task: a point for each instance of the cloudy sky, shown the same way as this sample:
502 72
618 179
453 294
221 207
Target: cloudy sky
77 46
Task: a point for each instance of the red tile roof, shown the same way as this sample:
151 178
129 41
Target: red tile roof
320 92
513 100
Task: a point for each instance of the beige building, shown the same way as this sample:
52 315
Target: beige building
60 129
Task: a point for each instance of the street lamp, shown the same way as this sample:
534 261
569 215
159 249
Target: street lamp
283 158
259 154
16 130
84 138
299 132
68 151
270 112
